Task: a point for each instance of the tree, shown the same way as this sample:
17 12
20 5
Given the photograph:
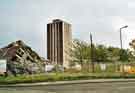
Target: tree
113 54
132 52
101 53
79 52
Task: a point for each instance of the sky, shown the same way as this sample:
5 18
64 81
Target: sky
26 20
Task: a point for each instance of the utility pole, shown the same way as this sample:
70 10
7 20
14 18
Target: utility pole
91 52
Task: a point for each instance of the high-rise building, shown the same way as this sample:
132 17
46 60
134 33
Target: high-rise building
59 37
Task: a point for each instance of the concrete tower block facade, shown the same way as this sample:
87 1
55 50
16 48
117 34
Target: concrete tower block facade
59 38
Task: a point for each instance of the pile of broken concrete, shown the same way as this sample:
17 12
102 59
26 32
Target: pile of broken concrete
21 59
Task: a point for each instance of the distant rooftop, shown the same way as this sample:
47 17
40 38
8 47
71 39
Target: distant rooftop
57 20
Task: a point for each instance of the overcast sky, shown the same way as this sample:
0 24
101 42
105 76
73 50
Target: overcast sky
27 19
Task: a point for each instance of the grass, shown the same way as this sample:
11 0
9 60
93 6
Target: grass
52 77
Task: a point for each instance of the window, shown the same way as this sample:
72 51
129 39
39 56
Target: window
14 58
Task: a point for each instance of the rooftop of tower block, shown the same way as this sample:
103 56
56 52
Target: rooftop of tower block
57 20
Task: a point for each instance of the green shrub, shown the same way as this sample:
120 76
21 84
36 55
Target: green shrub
61 77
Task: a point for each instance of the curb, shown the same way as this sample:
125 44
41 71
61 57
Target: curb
69 82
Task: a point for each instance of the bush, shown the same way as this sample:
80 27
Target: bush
61 77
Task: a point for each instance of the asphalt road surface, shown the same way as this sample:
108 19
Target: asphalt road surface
115 87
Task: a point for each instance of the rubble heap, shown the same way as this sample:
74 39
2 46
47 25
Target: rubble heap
21 59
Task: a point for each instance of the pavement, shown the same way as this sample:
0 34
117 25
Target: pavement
68 82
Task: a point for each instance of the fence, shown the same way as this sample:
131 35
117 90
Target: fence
113 67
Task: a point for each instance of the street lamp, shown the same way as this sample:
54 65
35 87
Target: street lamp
121 51
121 35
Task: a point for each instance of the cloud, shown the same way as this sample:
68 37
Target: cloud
27 19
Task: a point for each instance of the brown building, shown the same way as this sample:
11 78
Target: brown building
59 36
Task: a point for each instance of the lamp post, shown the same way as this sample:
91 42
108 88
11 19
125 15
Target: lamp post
121 35
121 51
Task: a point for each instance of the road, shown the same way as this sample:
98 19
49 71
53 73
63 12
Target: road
115 87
